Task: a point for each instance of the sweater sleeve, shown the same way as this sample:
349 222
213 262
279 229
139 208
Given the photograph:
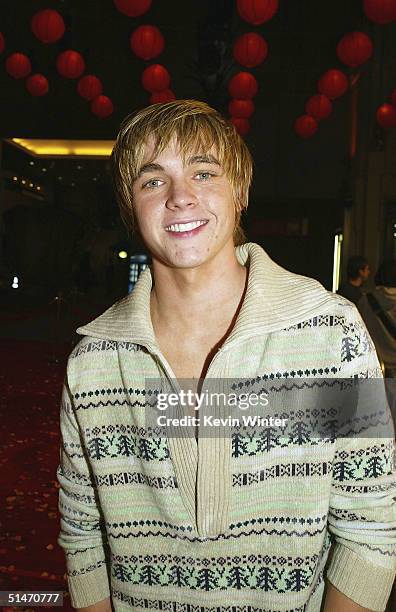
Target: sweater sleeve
82 534
362 514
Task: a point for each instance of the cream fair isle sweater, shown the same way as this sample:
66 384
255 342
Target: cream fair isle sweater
223 524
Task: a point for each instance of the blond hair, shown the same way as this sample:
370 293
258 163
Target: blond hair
196 127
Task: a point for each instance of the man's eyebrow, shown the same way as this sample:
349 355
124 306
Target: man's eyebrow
202 159
196 159
150 168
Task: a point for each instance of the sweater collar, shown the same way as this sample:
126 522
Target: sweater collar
274 300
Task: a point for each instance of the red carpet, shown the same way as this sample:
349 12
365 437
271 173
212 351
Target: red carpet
29 520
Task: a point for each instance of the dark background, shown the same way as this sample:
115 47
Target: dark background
67 238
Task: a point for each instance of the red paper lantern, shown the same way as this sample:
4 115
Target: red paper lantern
155 78
354 49
386 116
133 8
2 42
48 26
147 42
306 126
18 65
393 97
89 87
162 97
70 64
242 126
37 85
257 11
243 86
333 84
319 107
380 11
241 109
102 106
250 49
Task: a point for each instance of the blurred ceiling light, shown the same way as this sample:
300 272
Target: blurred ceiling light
122 254
31 163
64 148
14 178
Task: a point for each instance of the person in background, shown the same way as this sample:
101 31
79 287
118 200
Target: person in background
358 272
378 310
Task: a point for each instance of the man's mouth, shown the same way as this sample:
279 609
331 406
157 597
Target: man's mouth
185 227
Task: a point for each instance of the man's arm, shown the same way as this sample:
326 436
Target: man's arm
101 606
338 602
82 534
362 508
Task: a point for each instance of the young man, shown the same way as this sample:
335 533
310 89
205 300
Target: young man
358 272
214 524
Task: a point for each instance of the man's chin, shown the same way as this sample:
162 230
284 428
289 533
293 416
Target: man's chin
189 262
185 260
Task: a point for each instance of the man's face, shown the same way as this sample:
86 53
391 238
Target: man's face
184 211
364 273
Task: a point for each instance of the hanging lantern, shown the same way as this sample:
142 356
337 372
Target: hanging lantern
242 126
333 84
393 97
250 49
319 107
386 116
257 11
48 26
162 97
380 11
155 78
70 64
306 126
89 87
102 106
133 8
243 86
37 85
354 49
2 42
18 65
241 109
147 42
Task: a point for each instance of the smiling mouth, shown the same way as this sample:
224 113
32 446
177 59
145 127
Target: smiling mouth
185 227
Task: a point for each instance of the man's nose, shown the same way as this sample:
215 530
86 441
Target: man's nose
181 194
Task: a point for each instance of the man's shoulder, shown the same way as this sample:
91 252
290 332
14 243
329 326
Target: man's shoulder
336 311
92 357
342 305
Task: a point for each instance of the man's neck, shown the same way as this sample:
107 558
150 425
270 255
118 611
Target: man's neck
187 300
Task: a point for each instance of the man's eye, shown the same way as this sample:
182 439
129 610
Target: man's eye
204 176
152 183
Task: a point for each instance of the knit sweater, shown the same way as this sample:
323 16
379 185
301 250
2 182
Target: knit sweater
223 524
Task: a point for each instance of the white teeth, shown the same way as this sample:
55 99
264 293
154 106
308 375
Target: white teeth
184 227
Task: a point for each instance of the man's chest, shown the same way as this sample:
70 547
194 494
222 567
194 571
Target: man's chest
190 359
